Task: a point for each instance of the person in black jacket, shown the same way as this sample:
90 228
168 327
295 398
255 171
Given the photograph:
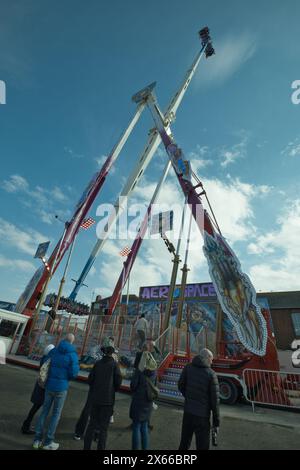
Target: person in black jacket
37 397
81 424
104 380
199 385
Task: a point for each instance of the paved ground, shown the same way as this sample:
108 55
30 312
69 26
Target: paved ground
241 428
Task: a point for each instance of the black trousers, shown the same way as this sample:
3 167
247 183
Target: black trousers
84 417
142 338
99 419
33 410
194 424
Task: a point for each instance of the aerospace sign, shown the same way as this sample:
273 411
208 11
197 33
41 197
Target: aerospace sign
205 290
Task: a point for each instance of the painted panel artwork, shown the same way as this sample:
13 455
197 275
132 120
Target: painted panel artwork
236 294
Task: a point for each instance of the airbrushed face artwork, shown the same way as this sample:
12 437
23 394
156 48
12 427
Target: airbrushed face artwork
236 294
200 317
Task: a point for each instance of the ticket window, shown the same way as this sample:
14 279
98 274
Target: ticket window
8 330
11 332
296 323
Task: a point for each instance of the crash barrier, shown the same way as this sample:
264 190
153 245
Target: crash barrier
46 332
88 333
268 387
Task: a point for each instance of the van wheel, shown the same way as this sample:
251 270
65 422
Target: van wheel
228 391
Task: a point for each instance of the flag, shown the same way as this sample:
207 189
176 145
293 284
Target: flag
87 223
125 251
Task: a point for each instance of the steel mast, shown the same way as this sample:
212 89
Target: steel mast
234 289
32 292
145 158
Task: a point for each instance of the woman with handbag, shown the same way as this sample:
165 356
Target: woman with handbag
37 396
143 386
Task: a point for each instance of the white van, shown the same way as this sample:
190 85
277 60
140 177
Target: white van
12 326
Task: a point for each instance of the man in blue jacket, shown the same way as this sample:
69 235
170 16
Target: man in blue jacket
64 366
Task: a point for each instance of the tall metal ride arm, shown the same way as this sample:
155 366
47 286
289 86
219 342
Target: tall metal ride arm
234 289
144 160
29 298
135 246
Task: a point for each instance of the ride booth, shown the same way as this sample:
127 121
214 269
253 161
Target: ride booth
205 325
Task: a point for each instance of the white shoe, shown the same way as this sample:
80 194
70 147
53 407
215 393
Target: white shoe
37 444
112 419
52 446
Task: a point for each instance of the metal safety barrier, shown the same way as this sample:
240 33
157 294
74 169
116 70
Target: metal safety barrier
267 387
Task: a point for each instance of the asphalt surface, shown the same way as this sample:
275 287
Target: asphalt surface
240 428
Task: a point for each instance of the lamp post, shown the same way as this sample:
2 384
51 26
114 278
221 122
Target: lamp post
49 277
63 279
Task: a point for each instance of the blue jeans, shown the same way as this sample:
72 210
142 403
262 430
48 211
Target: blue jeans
140 432
58 400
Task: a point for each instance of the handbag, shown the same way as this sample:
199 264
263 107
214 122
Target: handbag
44 372
152 390
147 361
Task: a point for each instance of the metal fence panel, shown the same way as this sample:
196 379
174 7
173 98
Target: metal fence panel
269 387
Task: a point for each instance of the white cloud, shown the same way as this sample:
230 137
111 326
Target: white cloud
264 189
40 200
227 154
279 252
24 241
292 149
232 204
16 264
232 52
266 277
239 150
93 271
15 183
58 194
196 157
100 162
152 267
45 216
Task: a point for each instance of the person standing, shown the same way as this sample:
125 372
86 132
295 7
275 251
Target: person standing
64 367
104 380
144 392
37 397
141 330
81 424
199 385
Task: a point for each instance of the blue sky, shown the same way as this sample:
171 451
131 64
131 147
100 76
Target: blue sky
70 69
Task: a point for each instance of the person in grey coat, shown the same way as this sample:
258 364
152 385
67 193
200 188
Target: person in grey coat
199 385
142 403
